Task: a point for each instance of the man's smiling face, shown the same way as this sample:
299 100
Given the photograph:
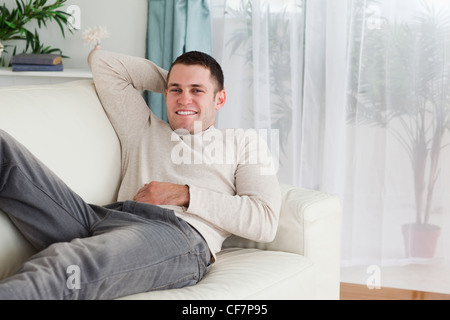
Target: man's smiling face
191 96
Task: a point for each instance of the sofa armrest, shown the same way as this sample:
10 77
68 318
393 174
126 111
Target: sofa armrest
310 225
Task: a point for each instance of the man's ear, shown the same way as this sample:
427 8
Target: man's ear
221 97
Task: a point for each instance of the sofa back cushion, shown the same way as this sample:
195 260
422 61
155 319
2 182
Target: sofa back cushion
64 125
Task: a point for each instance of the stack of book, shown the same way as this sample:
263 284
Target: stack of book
37 62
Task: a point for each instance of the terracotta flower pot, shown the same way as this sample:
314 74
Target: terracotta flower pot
420 239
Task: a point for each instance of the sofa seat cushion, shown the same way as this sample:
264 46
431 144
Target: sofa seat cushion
248 274
14 249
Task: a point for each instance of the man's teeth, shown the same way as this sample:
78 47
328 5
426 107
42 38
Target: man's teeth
186 113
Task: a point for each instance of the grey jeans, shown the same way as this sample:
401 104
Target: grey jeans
88 251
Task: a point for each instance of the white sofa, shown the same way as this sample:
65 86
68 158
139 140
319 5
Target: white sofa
64 125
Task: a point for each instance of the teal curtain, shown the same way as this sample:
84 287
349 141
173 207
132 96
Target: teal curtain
175 27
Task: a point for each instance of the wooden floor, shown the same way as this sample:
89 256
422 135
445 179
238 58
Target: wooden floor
351 291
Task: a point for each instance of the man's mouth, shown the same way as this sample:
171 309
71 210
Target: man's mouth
186 113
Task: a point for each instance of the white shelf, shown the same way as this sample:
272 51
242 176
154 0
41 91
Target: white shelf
10 78
66 73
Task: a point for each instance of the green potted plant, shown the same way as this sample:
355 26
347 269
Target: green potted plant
407 65
15 25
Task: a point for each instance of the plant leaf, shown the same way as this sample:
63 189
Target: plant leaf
11 25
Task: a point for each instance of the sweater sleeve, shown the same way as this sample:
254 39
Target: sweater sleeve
119 81
253 212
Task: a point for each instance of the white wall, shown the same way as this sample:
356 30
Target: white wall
126 22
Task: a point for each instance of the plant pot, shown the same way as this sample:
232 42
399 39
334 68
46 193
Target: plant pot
420 239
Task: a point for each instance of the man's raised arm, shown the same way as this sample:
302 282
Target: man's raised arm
119 80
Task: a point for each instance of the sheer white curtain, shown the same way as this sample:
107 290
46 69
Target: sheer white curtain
396 141
359 91
260 44
395 135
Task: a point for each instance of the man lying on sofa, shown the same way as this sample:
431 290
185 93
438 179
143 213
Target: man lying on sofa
186 186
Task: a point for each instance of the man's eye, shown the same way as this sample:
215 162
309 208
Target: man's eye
175 90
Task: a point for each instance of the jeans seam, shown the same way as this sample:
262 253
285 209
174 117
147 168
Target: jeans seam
92 228
4 164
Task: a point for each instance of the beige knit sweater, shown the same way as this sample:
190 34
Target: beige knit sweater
231 185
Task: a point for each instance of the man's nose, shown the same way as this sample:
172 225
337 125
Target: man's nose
185 98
